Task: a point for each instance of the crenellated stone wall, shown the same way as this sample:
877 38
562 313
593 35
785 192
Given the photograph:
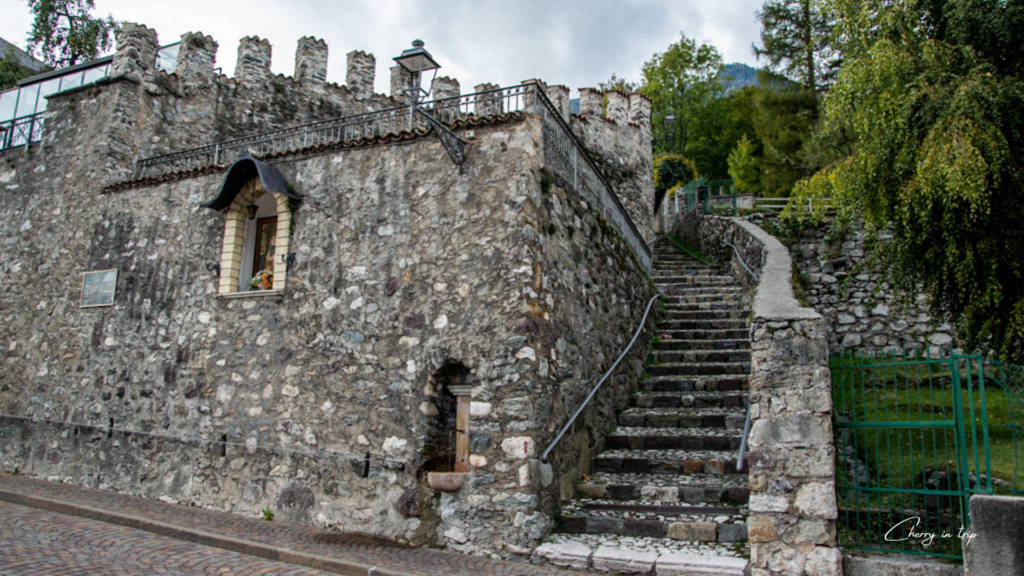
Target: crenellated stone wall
620 143
328 399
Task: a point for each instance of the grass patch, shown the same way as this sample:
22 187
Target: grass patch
690 250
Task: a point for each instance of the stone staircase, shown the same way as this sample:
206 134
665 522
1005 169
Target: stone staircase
664 497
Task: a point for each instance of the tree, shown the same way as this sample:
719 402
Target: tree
620 84
743 166
11 70
795 38
934 108
682 81
785 118
66 34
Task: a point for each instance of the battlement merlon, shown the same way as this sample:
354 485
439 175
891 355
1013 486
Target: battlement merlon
311 60
360 71
253 65
136 51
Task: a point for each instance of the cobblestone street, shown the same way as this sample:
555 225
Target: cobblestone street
48 528
38 543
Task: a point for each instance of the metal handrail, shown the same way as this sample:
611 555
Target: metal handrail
746 424
639 329
740 258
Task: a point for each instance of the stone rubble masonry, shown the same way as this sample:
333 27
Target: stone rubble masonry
311 60
403 264
444 87
618 106
400 80
792 522
360 71
591 101
252 69
559 96
861 309
196 56
997 545
137 47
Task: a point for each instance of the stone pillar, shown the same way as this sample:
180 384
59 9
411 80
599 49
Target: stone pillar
311 60
196 57
253 66
618 106
640 111
360 70
444 87
462 398
792 523
529 100
400 80
559 96
488 104
136 51
591 101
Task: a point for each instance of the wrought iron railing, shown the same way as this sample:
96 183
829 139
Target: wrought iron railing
564 153
22 131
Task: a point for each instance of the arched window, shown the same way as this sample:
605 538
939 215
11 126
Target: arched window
257 226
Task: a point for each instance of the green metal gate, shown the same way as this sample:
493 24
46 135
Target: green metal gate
912 445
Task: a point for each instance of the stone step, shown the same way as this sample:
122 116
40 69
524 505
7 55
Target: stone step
703 344
666 462
720 383
693 488
685 281
682 269
639 555
675 356
658 438
665 325
734 334
683 417
729 297
698 368
675 399
685 291
686 522
709 304
735 313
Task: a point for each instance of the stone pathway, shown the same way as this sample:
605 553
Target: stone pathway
156 525
665 498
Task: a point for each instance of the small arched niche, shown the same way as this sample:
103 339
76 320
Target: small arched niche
257 202
447 445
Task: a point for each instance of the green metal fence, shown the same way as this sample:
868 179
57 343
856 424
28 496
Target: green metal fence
912 445
707 196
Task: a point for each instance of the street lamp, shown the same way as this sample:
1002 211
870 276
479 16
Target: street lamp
416 61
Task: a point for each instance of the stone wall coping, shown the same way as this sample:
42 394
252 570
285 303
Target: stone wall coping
251 294
775 299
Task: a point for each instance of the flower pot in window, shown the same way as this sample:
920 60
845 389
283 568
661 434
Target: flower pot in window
264 280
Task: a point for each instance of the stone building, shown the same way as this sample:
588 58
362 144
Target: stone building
442 287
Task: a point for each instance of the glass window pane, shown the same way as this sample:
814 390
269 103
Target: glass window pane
7 102
167 58
48 87
27 102
94 74
70 81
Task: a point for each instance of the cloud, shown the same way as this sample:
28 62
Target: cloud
572 42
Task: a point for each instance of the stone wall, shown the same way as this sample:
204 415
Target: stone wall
322 403
619 141
861 309
792 522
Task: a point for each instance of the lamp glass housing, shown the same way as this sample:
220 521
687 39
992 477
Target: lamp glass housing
416 59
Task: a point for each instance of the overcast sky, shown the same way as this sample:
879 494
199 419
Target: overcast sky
574 43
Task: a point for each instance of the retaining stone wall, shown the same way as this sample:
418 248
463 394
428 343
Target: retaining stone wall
792 522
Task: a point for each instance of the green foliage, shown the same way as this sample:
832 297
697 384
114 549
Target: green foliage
931 93
671 170
784 121
11 70
268 514
743 166
66 33
620 84
795 38
682 81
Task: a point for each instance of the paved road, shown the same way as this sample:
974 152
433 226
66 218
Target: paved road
40 543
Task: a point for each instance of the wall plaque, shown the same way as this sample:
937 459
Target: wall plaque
98 288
